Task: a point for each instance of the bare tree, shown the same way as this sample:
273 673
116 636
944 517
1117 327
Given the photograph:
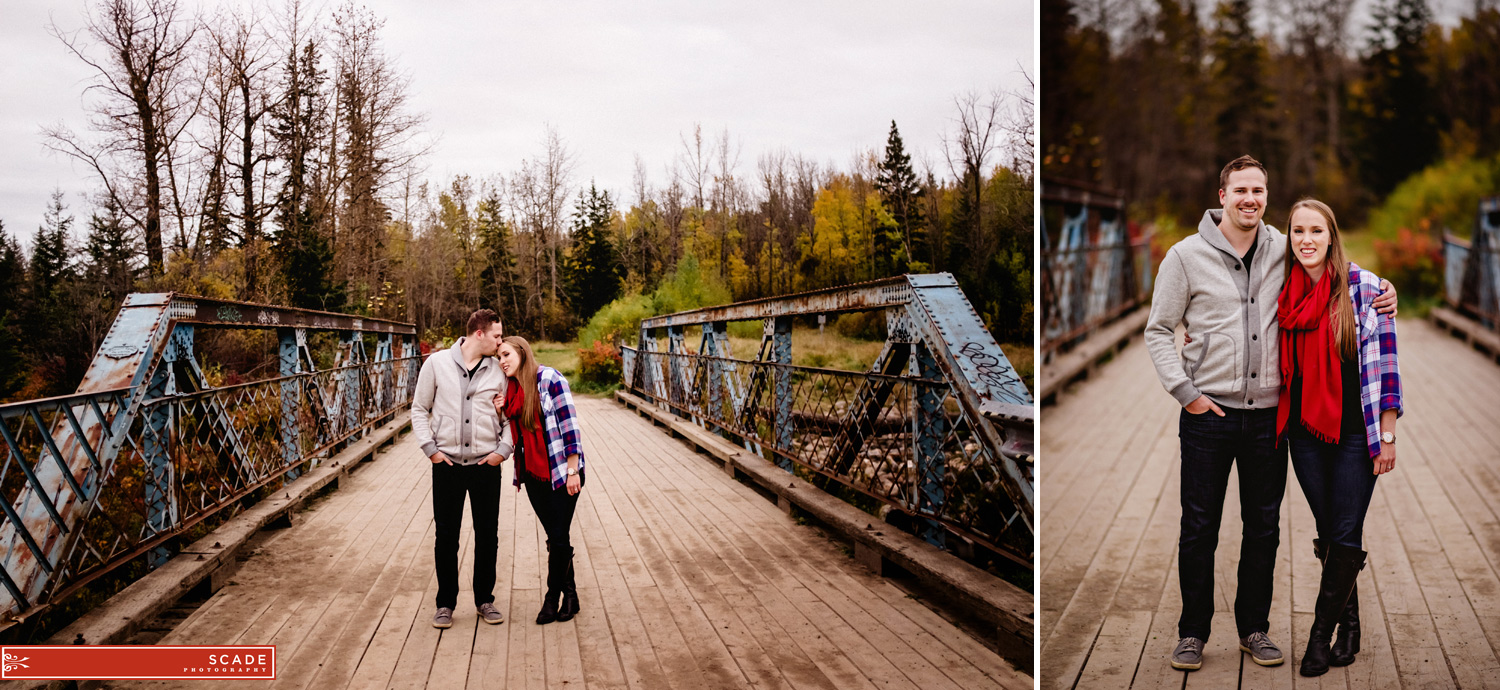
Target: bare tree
538 196
141 101
968 148
245 56
1020 128
692 168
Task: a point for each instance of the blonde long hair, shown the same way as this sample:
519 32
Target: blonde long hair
1340 307
531 403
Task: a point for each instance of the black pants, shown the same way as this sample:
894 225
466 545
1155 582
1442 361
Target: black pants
554 508
1211 445
1338 480
481 483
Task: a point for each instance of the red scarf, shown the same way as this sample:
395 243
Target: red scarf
1307 348
533 442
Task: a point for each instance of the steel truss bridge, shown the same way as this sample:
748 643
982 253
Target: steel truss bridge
1092 270
1471 269
939 430
149 448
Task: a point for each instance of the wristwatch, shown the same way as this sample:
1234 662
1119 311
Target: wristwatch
1387 437
573 471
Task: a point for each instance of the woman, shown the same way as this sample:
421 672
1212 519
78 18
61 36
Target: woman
1340 397
549 463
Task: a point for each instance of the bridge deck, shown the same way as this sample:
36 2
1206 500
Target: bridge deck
1430 597
688 579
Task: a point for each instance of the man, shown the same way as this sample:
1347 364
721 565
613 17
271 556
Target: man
1222 286
455 422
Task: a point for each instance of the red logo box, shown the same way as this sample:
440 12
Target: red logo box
149 662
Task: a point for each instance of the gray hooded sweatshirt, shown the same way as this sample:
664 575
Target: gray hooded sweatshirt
1229 312
453 412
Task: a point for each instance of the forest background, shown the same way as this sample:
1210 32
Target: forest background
272 155
1387 115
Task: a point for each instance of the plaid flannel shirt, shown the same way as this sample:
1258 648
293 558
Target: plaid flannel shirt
559 425
1379 376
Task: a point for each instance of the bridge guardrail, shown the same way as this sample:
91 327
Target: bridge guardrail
95 480
1471 268
940 428
1092 271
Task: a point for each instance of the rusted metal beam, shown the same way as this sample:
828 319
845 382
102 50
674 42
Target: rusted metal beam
876 294
205 311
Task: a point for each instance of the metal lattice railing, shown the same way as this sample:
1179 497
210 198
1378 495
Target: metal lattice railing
1091 270
95 480
911 448
939 428
1471 269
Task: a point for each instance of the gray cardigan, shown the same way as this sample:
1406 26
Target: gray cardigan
454 413
1229 312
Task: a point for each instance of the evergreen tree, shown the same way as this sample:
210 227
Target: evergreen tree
298 124
12 294
51 275
499 273
12 271
1395 117
1246 123
901 194
593 267
111 253
49 255
307 263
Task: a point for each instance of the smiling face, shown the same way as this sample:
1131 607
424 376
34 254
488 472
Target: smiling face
1244 198
510 359
1310 239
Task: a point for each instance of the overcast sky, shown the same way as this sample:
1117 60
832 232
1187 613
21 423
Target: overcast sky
616 79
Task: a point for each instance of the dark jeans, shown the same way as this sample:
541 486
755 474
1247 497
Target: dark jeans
1210 446
1338 480
450 483
554 508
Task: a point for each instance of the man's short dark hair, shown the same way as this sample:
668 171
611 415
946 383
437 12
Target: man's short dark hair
482 319
1240 164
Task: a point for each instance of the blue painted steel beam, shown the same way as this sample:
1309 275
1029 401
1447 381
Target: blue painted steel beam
778 334
929 430
289 359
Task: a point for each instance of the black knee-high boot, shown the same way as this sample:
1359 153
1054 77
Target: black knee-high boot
1346 642
554 588
569 606
1340 569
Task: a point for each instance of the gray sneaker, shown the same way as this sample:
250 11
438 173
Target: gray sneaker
1262 650
1188 656
443 619
489 614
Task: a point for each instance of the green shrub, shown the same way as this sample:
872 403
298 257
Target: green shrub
689 287
863 325
1408 226
1443 196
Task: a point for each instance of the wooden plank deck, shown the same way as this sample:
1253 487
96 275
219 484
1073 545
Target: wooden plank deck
1430 596
687 578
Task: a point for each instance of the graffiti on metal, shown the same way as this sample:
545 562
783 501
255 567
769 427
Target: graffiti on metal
988 368
1095 265
228 313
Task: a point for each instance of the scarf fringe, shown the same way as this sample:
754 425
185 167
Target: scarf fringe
1325 438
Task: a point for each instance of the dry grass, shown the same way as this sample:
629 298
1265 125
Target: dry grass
560 356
